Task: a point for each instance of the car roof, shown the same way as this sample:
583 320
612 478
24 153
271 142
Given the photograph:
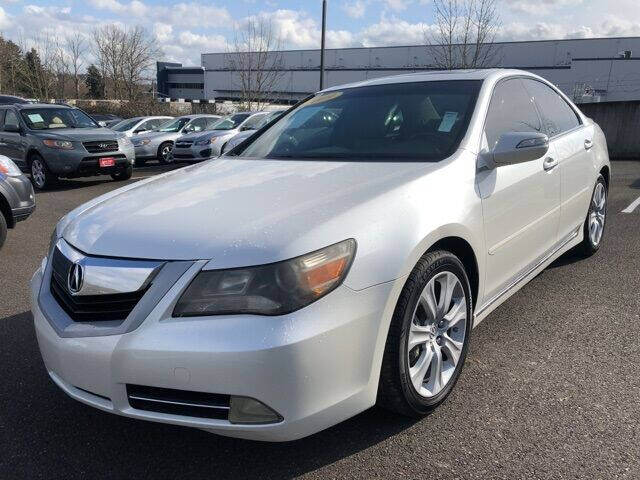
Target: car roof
433 76
42 105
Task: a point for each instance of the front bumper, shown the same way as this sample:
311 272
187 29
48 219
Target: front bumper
149 151
19 194
80 163
193 153
315 367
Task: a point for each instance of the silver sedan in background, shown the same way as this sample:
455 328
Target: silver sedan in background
137 125
208 144
159 143
242 136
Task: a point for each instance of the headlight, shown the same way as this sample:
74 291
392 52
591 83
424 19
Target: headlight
125 141
273 289
141 142
9 168
208 141
61 144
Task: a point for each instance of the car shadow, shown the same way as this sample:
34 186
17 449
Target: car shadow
58 428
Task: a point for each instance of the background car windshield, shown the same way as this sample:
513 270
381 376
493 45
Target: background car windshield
51 118
421 120
253 122
173 125
125 125
231 122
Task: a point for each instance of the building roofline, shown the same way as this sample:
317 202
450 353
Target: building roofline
427 45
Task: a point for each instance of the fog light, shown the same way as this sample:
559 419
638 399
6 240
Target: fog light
247 410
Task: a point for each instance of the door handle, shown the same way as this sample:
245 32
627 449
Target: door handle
588 144
549 164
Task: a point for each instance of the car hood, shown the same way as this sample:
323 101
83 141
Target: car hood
80 134
239 212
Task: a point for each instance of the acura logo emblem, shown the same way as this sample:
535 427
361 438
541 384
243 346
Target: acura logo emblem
76 278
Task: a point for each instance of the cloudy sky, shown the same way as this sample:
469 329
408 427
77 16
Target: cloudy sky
184 29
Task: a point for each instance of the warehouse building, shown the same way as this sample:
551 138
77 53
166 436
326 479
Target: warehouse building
587 70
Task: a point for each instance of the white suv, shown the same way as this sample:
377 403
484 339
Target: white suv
339 260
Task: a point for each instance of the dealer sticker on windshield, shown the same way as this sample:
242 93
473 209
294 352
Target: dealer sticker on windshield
447 122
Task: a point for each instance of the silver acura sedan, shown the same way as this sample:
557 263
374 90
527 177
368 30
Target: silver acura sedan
340 259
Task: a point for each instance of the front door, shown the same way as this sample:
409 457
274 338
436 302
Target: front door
13 144
521 202
572 141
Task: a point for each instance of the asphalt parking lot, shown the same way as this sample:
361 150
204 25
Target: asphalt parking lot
551 388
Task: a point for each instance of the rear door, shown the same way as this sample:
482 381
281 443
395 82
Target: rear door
572 142
521 202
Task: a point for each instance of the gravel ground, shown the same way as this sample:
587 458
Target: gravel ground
551 388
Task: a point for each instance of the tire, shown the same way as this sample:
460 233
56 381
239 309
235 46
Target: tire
3 229
437 342
596 216
123 175
41 177
165 155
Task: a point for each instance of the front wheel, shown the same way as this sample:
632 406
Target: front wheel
596 219
165 153
428 338
41 176
123 174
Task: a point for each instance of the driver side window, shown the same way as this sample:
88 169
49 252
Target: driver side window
11 119
511 110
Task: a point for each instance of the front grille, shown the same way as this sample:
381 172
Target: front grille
101 146
88 308
179 402
183 144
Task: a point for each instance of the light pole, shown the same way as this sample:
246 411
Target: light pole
324 28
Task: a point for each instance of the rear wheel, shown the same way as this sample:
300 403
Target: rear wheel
123 174
41 177
596 219
3 229
429 336
165 153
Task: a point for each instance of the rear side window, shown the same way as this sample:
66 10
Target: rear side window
556 113
511 110
11 119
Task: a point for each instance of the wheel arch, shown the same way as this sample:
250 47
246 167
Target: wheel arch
5 211
464 251
606 173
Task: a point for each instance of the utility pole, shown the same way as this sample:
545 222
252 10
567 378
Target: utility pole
324 29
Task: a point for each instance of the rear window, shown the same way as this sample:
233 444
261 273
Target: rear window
418 120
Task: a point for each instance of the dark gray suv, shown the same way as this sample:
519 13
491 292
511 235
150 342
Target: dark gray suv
52 141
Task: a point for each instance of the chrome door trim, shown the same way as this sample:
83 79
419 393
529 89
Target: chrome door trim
527 271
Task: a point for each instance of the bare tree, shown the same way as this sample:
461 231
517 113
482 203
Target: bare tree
255 61
124 57
464 33
76 48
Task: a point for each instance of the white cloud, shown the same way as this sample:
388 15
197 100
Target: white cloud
386 32
135 7
5 20
540 7
355 9
163 31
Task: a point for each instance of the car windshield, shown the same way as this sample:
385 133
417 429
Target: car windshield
52 118
269 118
231 122
125 125
254 122
418 120
173 125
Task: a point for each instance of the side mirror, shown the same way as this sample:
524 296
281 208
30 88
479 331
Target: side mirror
519 147
12 128
140 130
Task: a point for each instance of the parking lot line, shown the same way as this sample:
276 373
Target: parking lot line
632 207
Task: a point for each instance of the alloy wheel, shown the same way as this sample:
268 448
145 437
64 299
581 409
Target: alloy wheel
166 153
598 214
437 334
38 173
